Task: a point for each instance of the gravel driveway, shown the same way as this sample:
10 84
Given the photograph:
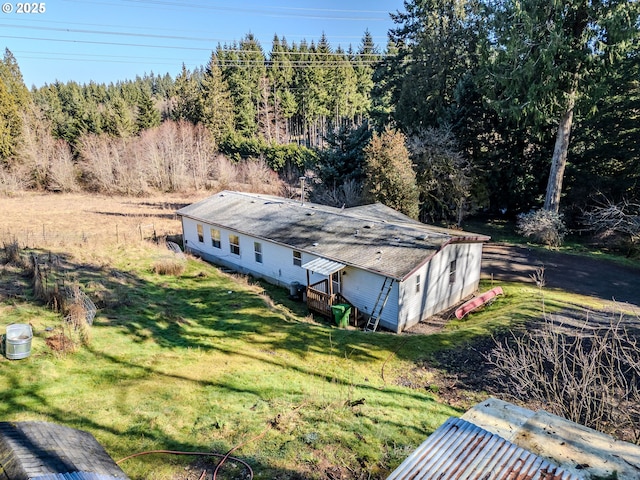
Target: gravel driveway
573 273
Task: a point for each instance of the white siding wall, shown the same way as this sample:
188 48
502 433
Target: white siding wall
277 260
437 293
405 307
362 288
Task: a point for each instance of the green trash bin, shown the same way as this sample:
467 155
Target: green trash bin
341 312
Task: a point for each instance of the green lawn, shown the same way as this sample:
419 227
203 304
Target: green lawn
205 361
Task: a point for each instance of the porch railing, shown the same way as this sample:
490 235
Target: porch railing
318 298
320 301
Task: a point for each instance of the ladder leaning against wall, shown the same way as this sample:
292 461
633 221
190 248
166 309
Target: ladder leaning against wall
381 301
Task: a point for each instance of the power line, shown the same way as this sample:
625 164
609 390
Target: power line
120 33
89 55
254 11
106 32
177 47
95 42
85 60
164 37
155 28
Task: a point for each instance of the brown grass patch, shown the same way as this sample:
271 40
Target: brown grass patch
12 252
60 343
169 266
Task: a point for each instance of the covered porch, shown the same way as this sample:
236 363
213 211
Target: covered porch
322 295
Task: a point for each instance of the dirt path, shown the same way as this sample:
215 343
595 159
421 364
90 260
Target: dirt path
587 276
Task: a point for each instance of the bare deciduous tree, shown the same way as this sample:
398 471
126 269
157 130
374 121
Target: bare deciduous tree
347 194
257 174
11 182
174 156
444 175
45 163
611 218
588 374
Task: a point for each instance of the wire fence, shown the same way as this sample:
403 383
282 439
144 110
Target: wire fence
45 237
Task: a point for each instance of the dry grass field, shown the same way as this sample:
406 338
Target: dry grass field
89 221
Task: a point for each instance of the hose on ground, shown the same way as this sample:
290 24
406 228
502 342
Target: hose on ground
224 457
201 454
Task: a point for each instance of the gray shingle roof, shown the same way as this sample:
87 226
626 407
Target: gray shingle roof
372 237
42 450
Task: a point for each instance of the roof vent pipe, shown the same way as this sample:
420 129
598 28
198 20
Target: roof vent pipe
302 179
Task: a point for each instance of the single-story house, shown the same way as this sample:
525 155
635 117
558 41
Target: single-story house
392 269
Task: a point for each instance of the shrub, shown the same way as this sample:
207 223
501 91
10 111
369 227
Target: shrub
12 253
542 226
617 225
168 266
348 194
588 374
11 182
290 155
278 157
76 320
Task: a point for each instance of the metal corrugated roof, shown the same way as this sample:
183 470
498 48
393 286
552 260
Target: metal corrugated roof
322 266
373 238
459 449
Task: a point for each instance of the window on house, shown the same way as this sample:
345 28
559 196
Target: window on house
215 237
452 271
257 250
417 283
297 258
234 244
200 234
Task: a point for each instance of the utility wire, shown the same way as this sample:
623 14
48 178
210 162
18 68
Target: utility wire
260 11
164 37
155 29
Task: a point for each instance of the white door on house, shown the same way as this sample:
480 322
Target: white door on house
336 282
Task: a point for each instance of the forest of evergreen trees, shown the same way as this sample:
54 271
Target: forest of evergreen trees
471 106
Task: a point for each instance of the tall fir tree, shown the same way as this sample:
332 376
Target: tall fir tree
14 98
243 68
342 96
188 97
147 115
549 55
11 75
365 61
437 44
281 75
390 178
606 148
119 118
10 124
217 107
